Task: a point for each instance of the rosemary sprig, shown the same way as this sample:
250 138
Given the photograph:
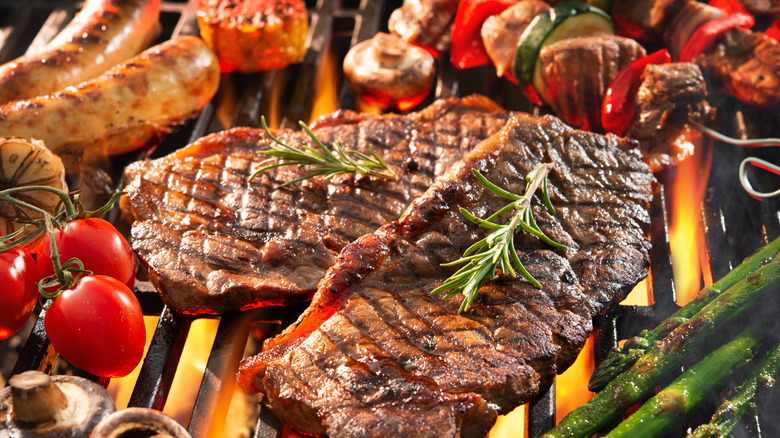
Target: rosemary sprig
322 160
497 250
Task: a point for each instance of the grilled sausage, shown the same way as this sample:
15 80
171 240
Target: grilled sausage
103 34
126 107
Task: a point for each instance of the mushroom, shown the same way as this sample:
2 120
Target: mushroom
139 422
36 405
389 72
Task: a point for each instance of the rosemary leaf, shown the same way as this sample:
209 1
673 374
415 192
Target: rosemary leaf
320 160
496 252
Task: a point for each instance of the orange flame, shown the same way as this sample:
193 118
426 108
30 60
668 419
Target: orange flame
571 387
325 88
122 388
511 425
686 234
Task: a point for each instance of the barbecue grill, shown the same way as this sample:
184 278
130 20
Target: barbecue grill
734 224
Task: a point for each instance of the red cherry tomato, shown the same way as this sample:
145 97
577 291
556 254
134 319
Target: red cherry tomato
98 326
618 105
18 290
101 248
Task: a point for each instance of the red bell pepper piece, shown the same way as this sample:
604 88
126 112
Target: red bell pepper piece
467 50
773 30
617 109
728 6
708 32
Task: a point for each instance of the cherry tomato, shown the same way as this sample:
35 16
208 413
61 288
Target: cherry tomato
99 245
98 326
618 105
19 290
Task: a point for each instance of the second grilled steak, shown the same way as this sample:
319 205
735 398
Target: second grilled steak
376 355
214 242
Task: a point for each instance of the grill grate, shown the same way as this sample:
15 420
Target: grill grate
735 224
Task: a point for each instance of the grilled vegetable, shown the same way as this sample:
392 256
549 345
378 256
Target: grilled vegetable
732 410
618 107
251 36
670 353
689 390
28 163
19 277
710 31
565 20
500 33
683 23
467 50
389 72
621 359
36 405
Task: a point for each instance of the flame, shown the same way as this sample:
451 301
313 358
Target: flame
121 388
511 425
325 88
571 387
194 356
686 235
641 295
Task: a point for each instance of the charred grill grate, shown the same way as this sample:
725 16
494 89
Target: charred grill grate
735 224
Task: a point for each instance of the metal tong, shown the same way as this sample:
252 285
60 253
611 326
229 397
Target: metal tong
743 167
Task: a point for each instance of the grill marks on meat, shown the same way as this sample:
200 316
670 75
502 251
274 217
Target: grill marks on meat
213 242
669 97
577 71
376 355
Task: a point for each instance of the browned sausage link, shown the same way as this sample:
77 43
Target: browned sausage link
124 108
103 34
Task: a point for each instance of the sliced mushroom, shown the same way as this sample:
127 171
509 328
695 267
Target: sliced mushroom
389 72
139 422
36 405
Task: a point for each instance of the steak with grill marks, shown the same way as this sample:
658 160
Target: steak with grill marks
376 355
214 242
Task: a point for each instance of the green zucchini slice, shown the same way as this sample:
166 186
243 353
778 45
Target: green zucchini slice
565 20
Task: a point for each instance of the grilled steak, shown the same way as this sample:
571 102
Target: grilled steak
669 97
376 355
576 73
214 242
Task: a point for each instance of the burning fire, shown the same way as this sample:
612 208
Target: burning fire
184 390
686 235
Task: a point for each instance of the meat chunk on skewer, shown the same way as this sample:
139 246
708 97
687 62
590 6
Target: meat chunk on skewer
427 23
669 97
501 32
575 74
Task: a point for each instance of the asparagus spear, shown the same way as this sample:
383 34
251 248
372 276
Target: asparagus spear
728 414
662 359
688 391
620 359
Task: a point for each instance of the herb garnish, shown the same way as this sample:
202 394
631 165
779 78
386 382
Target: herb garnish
322 160
497 250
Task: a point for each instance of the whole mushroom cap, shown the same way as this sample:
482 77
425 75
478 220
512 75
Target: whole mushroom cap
388 70
36 405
